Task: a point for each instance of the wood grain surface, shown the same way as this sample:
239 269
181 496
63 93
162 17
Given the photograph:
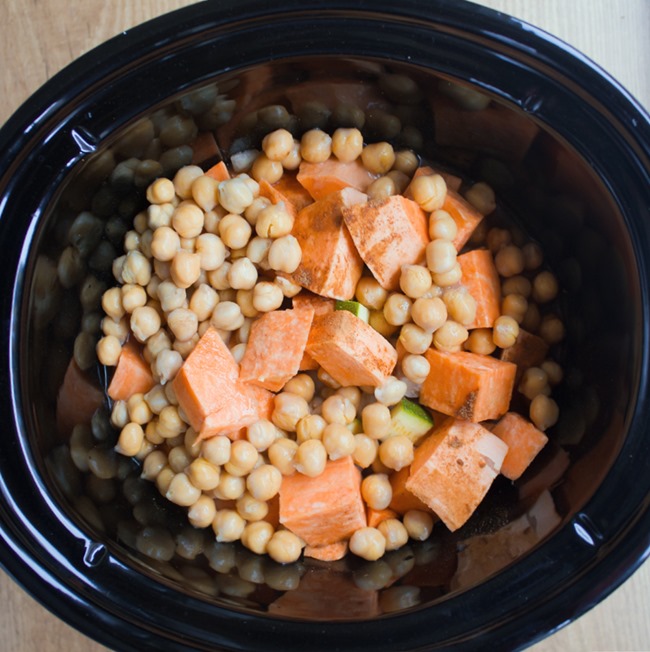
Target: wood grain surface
39 37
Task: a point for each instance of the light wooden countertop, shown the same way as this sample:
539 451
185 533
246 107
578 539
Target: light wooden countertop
39 37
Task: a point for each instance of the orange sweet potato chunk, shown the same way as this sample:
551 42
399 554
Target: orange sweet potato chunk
275 348
524 443
323 179
453 469
132 374
330 265
325 509
467 218
320 305
208 380
376 516
77 400
528 351
468 385
388 234
403 500
330 552
481 278
219 172
350 350
287 190
232 418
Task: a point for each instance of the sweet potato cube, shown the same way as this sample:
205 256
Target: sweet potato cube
467 385
324 509
77 400
481 278
453 469
288 190
330 552
524 443
330 265
232 418
403 500
376 516
323 179
349 350
208 380
388 234
275 348
219 172
467 218
320 305
528 351
132 374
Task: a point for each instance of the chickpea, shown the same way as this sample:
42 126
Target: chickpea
379 323
391 391
251 509
376 420
368 543
185 268
264 482
212 251
289 288
481 196
378 158
167 365
201 514
545 287
394 532
418 524
311 458
161 191
515 306
281 454
544 412
553 371
450 336
415 339
416 368
509 261
187 220
109 349
256 536
302 385
235 195
243 458
216 450
145 322
315 146
442 226
533 256
130 439
381 188
183 323
532 319
274 222
429 314
284 547
285 254
396 452
377 491
310 427
230 487
497 239
480 341
415 281
160 215
228 525
365 450
505 331
203 474
429 191
266 169
517 285
242 275
181 491
338 441
397 309
533 382
446 279
261 434
369 293
461 305
277 145
227 316
338 409
288 410
170 425
203 302
406 161
153 464
441 256
136 269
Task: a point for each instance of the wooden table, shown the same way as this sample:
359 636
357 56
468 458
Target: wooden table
39 37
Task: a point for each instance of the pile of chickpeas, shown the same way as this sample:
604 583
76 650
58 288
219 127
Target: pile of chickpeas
208 253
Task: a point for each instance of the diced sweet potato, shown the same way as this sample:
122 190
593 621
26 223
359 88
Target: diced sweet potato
323 179
330 265
453 469
77 400
403 500
208 380
132 374
330 552
467 385
528 351
467 218
231 418
326 595
204 148
481 278
327 508
524 443
287 190
388 234
349 350
219 172
376 516
320 305
275 348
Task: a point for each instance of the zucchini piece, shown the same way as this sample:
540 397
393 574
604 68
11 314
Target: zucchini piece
410 419
355 308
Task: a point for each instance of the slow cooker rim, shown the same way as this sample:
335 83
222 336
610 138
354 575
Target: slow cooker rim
51 91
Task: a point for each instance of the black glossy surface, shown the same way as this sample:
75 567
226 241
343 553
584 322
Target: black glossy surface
605 533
